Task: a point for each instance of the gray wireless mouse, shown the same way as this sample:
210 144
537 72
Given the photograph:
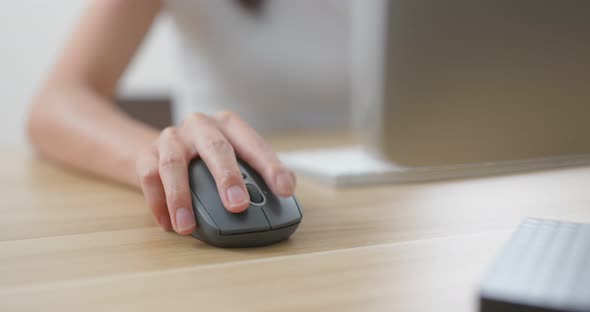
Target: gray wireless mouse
269 219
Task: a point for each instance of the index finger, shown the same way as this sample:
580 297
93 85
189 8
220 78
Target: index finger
254 150
218 154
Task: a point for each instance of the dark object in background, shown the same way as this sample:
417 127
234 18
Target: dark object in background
155 111
252 6
544 267
269 219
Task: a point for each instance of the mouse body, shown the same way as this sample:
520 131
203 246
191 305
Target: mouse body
269 218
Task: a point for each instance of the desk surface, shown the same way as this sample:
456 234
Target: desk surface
72 242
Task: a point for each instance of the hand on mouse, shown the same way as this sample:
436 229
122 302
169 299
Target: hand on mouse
162 168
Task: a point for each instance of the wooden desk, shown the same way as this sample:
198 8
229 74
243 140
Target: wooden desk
71 242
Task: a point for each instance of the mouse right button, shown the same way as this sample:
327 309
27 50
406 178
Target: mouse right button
284 214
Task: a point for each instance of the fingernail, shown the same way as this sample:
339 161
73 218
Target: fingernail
235 196
184 219
285 182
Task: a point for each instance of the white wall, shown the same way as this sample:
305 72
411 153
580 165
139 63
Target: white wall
32 33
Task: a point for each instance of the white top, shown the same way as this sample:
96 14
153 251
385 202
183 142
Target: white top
284 68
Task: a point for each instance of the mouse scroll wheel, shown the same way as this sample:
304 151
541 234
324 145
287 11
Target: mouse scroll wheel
254 193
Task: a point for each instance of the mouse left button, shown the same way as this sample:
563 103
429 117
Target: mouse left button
228 223
249 221
204 220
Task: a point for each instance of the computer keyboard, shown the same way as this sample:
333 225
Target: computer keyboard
544 267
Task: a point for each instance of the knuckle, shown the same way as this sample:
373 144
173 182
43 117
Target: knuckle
230 177
196 118
146 167
148 174
226 116
274 169
175 198
260 145
218 146
169 133
171 160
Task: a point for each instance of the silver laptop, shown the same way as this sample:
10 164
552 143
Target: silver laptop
456 88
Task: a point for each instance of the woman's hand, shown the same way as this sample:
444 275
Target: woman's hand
163 167
74 110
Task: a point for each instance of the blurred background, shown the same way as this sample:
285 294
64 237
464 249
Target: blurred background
32 32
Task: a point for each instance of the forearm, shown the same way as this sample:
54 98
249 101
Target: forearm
96 137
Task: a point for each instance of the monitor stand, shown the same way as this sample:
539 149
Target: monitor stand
354 166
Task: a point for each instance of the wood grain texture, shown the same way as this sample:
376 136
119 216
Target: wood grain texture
414 276
70 241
